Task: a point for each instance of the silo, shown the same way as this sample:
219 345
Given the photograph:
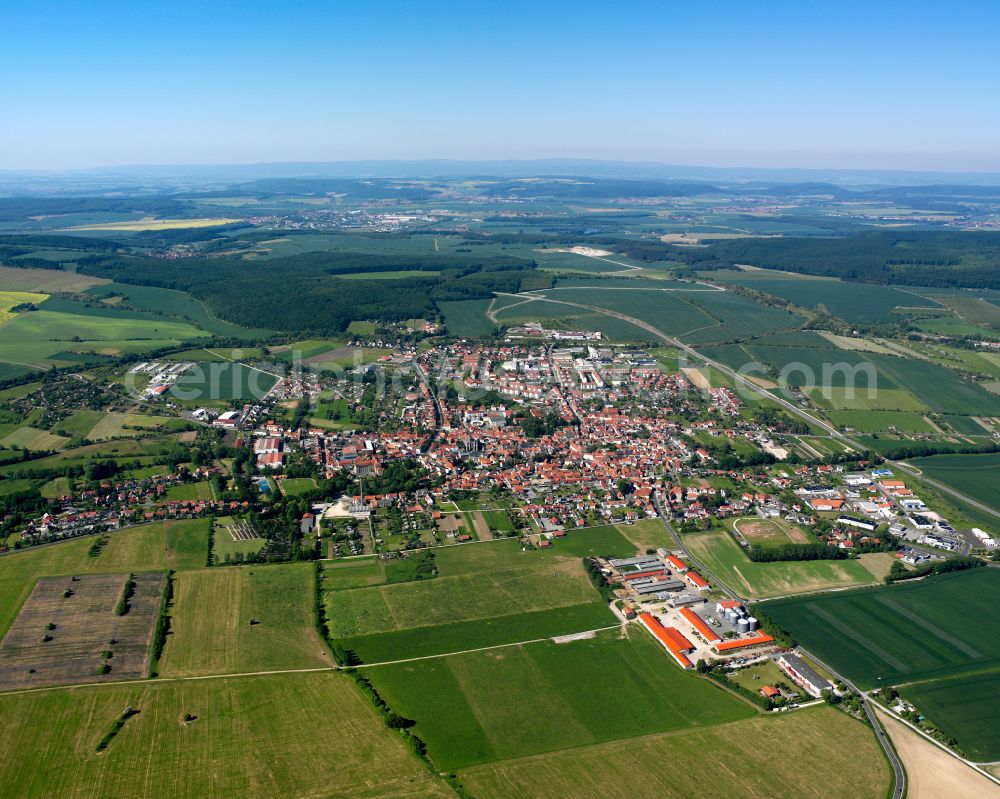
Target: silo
743 626
754 624
731 616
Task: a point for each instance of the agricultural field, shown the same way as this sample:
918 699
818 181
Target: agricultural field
152 547
31 438
318 734
45 281
38 337
69 631
222 381
881 421
484 595
523 700
865 304
762 756
932 628
243 619
177 304
723 557
115 425
11 299
646 534
977 476
149 223
467 317
356 573
966 708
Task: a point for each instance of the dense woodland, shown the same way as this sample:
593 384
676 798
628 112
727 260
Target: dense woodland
301 294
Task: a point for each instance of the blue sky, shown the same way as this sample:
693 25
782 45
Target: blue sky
812 84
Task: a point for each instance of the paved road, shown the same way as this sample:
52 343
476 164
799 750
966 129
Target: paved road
899 773
786 404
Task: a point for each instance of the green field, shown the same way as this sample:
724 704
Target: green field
153 547
936 627
768 756
849 301
485 594
523 700
467 318
294 486
316 732
40 335
211 631
555 315
723 556
356 573
191 491
880 421
966 708
977 476
222 381
31 438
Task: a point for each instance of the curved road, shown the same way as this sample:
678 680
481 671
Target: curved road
899 774
787 405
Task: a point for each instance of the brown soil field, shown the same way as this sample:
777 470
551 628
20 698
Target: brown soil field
85 625
932 773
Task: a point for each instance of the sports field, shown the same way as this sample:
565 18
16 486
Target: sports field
723 556
818 752
760 532
978 476
211 627
293 486
936 627
191 491
316 733
522 700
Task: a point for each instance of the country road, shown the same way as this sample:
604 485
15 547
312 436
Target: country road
787 405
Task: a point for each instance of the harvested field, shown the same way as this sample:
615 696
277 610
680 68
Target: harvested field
61 640
931 773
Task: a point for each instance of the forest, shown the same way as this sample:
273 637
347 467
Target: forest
301 294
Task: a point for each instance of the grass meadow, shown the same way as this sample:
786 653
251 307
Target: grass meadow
211 629
523 700
723 556
762 756
317 733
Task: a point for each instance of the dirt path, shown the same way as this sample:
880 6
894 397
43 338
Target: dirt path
931 772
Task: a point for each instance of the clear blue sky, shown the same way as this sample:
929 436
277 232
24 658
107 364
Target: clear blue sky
906 85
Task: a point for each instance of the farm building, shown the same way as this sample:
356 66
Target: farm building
701 627
656 586
676 563
697 582
735 644
803 675
670 637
